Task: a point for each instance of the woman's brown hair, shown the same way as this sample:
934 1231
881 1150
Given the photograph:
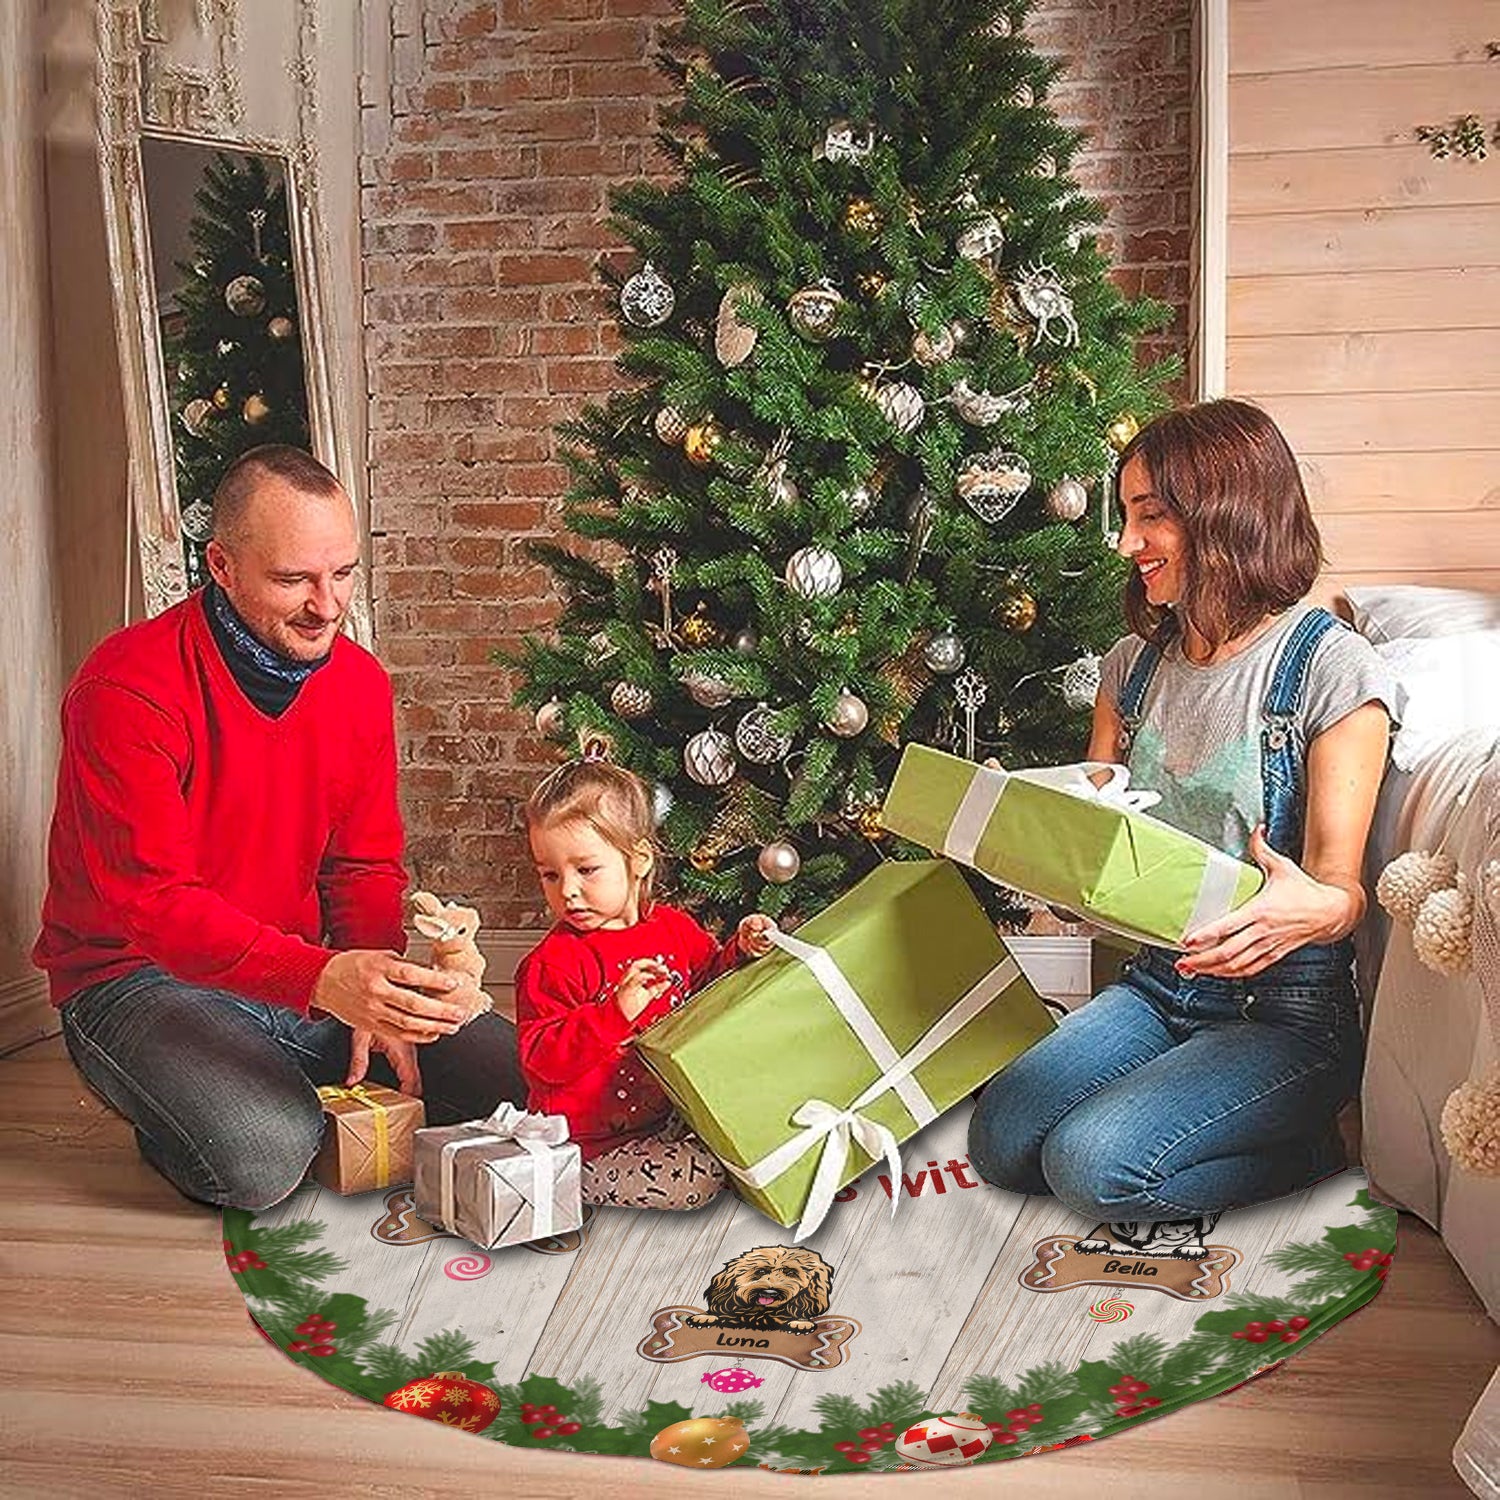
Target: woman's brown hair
1226 473
614 802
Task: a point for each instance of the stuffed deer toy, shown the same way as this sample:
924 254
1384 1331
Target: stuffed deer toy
452 929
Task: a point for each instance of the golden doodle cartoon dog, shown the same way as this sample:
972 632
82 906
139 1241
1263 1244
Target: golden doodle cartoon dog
773 1286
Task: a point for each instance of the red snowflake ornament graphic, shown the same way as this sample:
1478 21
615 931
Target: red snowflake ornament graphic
450 1398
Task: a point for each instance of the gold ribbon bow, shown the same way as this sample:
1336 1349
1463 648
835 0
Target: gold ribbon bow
329 1093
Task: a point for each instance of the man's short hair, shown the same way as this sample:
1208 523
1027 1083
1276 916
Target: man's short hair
295 466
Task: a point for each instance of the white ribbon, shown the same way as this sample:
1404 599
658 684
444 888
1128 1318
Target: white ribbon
536 1134
834 1128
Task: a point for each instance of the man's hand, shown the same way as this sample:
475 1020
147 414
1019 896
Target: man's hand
754 934
402 1055
384 994
645 980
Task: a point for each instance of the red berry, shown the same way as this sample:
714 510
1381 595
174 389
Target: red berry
1034 1409
326 1326
1020 1414
227 1246
997 1427
1275 1327
1257 1336
1252 1327
869 1432
1297 1324
1122 1389
872 1443
1151 1401
527 1408
858 1458
307 1329
567 1429
321 1349
1006 1437
1131 1411
1239 1333
846 1447
889 1428
542 1433
1290 1338
297 1346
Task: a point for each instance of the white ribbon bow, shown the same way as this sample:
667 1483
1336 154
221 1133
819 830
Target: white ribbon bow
536 1134
836 1127
1077 780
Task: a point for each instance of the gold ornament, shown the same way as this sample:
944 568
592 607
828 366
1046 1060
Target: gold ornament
872 284
256 409
704 861
245 296
701 1442
699 629
1017 611
221 398
1121 431
814 311
929 349
281 329
870 822
701 441
861 216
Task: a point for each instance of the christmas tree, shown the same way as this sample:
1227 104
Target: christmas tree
855 492
233 355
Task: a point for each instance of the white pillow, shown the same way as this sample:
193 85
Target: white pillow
1388 612
1447 686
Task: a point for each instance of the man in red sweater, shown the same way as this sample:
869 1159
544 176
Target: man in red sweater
223 921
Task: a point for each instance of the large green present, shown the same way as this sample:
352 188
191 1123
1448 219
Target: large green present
1055 835
887 1008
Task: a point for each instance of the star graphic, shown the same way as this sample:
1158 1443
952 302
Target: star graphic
674 1450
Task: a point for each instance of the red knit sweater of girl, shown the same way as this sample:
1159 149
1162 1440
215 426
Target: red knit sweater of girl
577 1048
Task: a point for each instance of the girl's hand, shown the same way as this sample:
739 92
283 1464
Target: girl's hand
754 934
1291 909
643 981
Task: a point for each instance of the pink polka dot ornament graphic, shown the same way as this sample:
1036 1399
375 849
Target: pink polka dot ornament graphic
731 1381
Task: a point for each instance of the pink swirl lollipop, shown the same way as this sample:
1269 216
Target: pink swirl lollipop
467 1267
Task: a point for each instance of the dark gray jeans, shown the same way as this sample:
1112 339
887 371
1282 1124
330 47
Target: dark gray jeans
222 1091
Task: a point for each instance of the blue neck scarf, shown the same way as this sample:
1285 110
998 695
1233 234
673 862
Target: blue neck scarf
270 680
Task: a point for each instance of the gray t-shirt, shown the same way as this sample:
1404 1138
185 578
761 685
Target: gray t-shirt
1198 742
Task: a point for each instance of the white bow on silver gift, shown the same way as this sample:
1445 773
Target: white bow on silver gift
536 1134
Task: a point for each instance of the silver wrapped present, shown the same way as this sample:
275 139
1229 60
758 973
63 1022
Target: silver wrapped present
507 1180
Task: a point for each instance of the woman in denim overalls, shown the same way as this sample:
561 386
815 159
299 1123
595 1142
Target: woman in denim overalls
1211 1078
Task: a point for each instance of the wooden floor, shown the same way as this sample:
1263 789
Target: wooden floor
130 1369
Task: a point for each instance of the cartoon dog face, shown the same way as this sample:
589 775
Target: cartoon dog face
774 1286
1179 1238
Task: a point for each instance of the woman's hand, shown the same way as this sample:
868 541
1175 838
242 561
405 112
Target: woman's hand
1291 909
643 981
754 934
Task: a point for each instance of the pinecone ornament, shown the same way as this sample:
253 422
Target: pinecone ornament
1411 878
1443 933
1471 1125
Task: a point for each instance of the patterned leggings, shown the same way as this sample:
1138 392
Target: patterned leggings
671 1169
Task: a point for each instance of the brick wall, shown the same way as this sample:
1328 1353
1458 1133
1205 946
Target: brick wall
491 152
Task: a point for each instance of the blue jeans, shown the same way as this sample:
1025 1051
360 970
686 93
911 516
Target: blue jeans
1166 1097
222 1091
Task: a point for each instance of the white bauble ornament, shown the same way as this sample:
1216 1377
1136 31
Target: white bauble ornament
647 298
945 1442
844 141
706 690
1080 682
849 716
630 700
1443 933
778 862
758 739
245 296
992 483
709 757
1411 878
814 573
196 416
198 521
601 647
281 329
549 720
1067 500
671 426
745 642
944 653
662 803
982 242
901 405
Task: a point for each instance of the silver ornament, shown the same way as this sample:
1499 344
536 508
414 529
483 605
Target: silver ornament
601 647
814 311
245 296
843 141
901 405
775 483
198 521
992 483
735 339
706 690
549 720
746 642
778 862
929 349
630 700
944 653
985 408
196 416
1040 292
1080 682
814 573
1067 500
860 498
709 758
671 426
849 716
1002 26
758 738
647 298
662 803
982 242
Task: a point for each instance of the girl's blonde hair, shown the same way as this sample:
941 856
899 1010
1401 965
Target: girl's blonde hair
613 802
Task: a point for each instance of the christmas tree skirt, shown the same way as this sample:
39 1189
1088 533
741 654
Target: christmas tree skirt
1051 1329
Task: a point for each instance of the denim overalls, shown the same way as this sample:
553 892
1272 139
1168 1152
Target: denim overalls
1169 1096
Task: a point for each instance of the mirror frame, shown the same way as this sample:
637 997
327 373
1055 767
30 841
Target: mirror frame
202 109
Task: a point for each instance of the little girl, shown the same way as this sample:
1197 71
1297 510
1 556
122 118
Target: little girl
614 962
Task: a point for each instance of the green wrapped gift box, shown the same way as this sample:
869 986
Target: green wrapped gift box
1055 836
890 1006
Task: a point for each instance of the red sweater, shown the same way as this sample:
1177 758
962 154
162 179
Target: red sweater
575 1042
195 833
